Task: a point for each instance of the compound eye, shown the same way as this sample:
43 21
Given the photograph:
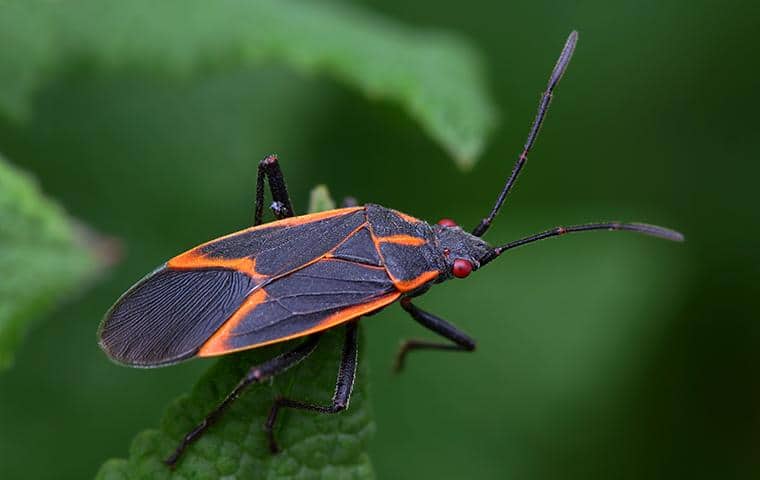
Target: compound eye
462 268
447 222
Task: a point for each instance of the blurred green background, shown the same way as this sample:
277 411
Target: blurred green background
600 355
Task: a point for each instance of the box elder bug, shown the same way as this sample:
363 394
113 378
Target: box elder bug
301 275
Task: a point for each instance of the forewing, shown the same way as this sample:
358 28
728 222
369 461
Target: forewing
321 295
168 315
276 248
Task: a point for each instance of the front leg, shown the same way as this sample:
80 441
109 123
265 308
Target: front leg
461 341
269 169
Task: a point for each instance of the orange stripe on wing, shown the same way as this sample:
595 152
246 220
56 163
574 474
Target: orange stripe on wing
217 344
193 260
218 347
347 238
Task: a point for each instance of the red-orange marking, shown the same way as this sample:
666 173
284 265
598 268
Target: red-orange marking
218 347
403 240
403 285
347 238
408 285
192 260
217 344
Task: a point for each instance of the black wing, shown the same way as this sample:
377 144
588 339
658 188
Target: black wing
165 317
314 298
183 309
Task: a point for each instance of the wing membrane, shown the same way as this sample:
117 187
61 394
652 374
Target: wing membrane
262 285
166 317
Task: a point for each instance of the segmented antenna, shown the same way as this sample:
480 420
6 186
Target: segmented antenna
543 107
646 229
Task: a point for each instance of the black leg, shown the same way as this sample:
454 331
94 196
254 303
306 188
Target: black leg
461 341
280 211
281 206
343 387
256 374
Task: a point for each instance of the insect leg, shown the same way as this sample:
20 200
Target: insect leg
256 374
269 168
461 341
343 387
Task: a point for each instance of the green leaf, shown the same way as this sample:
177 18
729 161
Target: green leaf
313 445
43 258
320 199
435 76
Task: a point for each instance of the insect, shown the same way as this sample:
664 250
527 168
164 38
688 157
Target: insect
301 275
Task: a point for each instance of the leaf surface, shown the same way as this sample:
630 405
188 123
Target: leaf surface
433 75
44 257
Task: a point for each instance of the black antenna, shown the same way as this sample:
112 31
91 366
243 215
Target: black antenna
543 107
644 228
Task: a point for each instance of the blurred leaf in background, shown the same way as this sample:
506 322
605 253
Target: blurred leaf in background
45 257
434 75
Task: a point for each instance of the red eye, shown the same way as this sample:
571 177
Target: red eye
462 268
447 222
